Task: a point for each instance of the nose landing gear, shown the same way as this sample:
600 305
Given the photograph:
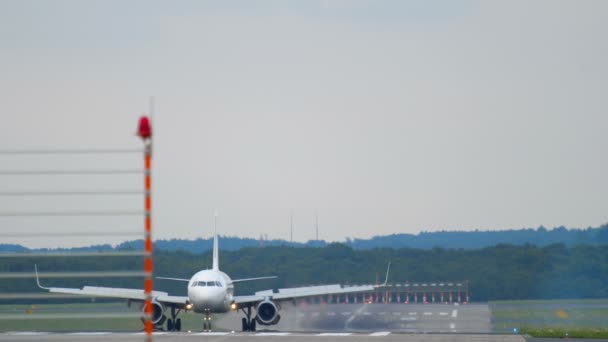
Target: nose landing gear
207 321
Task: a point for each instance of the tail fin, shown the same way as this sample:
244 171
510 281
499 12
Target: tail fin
216 258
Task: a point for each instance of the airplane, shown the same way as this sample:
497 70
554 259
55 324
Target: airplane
212 292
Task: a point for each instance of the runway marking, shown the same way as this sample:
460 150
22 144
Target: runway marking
443 313
335 334
380 333
273 334
331 314
412 313
452 326
212 333
93 333
315 314
29 333
155 333
428 314
359 311
346 313
454 313
408 318
396 313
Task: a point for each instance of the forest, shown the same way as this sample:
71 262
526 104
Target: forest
501 272
472 239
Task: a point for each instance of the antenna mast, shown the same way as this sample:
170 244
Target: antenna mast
317 224
291 226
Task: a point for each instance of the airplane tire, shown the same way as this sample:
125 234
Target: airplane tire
169 324
245 325
252 327
178 324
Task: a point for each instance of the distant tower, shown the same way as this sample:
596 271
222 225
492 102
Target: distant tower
291 227
317 224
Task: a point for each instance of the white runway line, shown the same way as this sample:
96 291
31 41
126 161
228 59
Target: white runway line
428 313
331 314
347 313
452 326
380 333
443 313
358 312
212 334
273 334
335 334
28 333
315 314
408 318
454 313
89 333
412 313
396 313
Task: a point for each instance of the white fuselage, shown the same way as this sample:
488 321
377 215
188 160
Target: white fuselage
210 291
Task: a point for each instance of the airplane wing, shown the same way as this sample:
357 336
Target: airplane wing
308 291
301 292
121 293
115 292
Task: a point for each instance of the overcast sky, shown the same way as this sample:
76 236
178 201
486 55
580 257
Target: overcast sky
382 116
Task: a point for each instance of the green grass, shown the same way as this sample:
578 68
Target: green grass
39 317
552 318
557 332
549 301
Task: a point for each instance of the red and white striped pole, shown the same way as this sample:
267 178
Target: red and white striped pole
145 132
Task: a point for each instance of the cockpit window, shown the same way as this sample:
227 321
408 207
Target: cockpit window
206 283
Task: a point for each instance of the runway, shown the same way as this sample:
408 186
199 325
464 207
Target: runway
262 336
336 322
405 318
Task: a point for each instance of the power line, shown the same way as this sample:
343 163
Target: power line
72 193
70 172
72 151
72 213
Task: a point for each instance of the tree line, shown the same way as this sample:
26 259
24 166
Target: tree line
501 272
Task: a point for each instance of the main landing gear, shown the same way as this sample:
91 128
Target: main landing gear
174 323
248 323
207 321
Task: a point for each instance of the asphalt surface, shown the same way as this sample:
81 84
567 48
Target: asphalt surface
331 323
405 318
262 336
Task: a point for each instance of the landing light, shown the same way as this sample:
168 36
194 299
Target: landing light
233 306
189 306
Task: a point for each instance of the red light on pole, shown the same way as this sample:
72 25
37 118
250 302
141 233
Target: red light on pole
144 129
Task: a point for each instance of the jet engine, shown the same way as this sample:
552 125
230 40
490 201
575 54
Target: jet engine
158 317
267 313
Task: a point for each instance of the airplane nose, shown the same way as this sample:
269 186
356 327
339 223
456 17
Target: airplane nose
206 297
